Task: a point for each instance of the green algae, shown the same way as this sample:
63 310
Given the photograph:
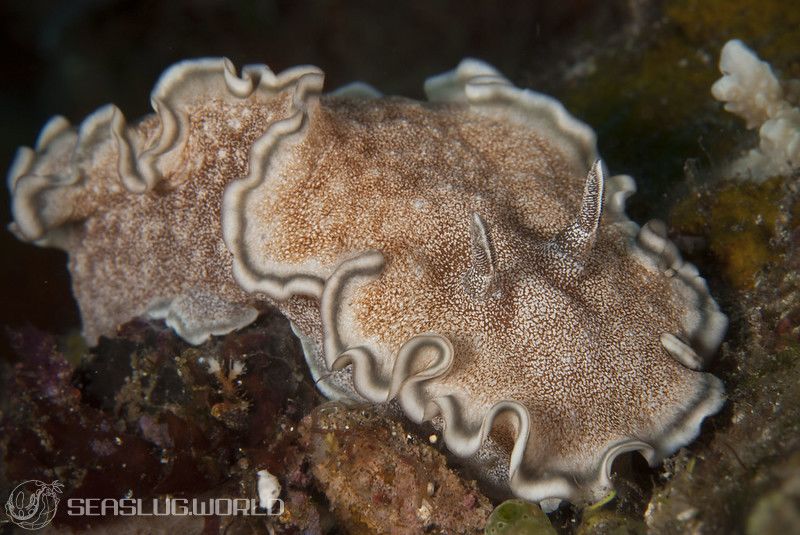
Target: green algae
610 523
739 478
645 113
608 498
599 519
74 347
650 102
518 517
740 220
767 26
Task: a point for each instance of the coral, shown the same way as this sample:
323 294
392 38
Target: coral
750 90
646 93
50 433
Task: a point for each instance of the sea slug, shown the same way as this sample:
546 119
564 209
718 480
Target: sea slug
468 257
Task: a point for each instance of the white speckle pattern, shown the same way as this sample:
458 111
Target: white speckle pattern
466 256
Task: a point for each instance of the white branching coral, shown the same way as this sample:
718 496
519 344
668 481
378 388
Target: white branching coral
750 89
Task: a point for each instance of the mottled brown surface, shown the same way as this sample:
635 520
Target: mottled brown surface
573 336
143 415
130 251
380 479
405 178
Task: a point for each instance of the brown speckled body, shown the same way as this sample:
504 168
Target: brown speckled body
451 253
586 358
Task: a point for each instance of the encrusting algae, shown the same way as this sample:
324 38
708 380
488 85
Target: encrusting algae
740 222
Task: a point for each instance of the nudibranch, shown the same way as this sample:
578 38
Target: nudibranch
468 257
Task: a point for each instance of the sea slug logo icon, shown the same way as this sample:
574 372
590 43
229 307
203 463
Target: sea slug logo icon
32 504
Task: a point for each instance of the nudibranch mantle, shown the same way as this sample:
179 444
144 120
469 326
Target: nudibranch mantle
466 256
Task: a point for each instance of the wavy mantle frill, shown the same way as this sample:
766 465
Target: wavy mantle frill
106 165
475 84
140 164
422 360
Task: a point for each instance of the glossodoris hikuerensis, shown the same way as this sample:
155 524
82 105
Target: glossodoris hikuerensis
466 256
